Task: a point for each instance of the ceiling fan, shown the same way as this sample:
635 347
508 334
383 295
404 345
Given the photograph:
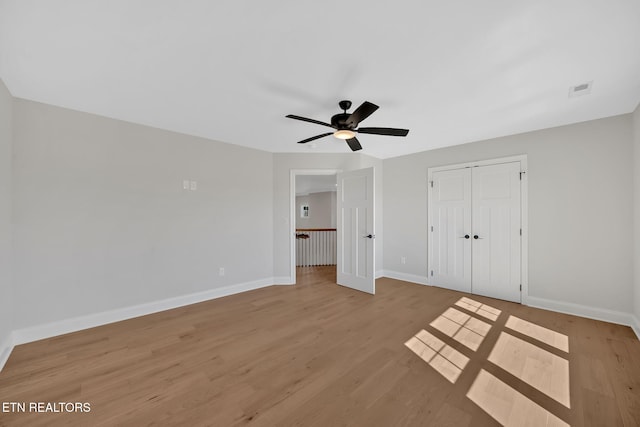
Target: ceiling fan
346 125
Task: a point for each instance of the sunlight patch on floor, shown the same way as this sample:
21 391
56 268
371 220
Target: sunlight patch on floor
507 406
541 369
547 336
537 367
463 328
483 310
446 360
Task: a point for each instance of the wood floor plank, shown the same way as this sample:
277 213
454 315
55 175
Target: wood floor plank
318 354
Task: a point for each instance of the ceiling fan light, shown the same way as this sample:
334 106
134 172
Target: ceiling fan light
344 134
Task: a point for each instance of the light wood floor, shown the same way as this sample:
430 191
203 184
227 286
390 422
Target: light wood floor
319 354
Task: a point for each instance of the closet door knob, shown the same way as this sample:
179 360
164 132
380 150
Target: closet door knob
466 236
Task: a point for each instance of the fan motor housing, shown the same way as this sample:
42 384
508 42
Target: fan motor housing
339 121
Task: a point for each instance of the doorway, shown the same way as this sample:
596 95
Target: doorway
313 221
478 228
354 225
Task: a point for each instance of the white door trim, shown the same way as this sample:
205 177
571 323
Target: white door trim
524 212
292 212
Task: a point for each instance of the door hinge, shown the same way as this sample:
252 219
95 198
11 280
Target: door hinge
432 272
521 231
432 228
431 184
521 175
520 288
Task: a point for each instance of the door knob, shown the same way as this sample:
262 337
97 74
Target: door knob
466 236
475 236
370 236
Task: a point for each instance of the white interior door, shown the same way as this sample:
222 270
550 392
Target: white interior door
496 229
356 233
451 229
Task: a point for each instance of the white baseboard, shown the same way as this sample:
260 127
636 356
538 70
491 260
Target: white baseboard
6 347
379 274
38 332
406 277
595 313
636 326
283 280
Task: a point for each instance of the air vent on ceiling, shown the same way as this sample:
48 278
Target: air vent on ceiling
581 89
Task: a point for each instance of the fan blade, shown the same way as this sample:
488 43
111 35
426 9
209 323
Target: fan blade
354 144
361 113
304 119
313 138
384 131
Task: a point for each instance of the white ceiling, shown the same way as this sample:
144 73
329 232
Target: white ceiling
230 70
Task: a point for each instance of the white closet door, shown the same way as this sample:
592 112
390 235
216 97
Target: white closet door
451 222
496 231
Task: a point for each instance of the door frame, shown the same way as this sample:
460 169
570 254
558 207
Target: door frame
524 213
293 173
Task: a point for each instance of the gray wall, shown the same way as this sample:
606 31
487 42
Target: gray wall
322 210
580 209
102 221
282 165
636 213
6 293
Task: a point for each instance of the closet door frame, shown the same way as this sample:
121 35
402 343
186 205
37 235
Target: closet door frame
524 213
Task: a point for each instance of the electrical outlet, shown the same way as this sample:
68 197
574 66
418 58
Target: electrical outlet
185 184
194 185
221 271
403 260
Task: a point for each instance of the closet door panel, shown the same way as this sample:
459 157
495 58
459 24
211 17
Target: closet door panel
496 226
451 222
